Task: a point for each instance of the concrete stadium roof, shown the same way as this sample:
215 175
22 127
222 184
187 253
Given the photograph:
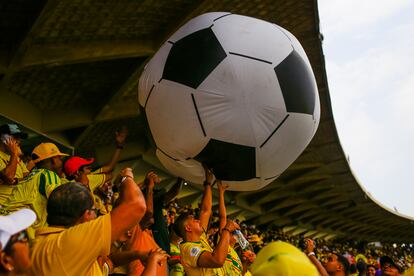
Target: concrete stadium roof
69 72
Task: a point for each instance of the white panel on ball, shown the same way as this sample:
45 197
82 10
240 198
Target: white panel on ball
233 96
182 136
196 24
250 37
299 129
152 73
190 170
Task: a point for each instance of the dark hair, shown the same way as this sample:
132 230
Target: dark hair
353 269
344 262
67 203
179 225
361 266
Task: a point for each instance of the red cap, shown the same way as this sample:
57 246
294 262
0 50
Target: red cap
74 163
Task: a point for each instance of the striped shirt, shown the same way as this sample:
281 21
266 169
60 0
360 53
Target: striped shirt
32 192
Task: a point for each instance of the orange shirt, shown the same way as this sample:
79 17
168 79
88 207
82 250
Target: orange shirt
143 241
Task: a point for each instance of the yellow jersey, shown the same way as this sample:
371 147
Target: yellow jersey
177 269
21 170
191 251
233 265
96 179
71 251
32 192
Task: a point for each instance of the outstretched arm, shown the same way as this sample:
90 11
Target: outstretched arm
207 201
131 209
218 256
173 192
310 247
222 204
120 137
150 180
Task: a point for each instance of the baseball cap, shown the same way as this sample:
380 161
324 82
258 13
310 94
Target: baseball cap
387 259
74 163
45 151
14 130
281 258
14 223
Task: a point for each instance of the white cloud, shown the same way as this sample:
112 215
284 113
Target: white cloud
348 16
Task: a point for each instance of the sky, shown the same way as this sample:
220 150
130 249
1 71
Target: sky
368 47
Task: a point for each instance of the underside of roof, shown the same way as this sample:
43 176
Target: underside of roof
69 72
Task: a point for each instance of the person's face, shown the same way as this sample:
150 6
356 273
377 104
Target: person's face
18 259
389 270
89 214
85 169
194 225
57 164
371 271
332 265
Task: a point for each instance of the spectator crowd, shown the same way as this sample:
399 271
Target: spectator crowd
62 215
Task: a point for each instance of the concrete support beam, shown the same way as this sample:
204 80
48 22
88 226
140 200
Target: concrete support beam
59 54
17 109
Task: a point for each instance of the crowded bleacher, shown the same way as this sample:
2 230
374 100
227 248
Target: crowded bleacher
62 216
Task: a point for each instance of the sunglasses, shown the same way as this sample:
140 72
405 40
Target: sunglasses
19 237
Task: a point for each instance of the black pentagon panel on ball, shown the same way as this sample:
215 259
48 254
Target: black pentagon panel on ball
229 162
193 58
297 85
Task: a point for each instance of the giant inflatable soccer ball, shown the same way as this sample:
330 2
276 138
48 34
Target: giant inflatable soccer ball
233 92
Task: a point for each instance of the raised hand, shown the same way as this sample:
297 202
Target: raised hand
209 176
157 256
232 226
13 146
120 135
221 187
151 179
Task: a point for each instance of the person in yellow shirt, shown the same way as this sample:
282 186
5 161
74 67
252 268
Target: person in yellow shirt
12 168
14 246
77 168
98 177
176 268
197 256
32 192
75 236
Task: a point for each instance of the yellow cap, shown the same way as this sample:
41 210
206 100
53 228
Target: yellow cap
281 258
47 150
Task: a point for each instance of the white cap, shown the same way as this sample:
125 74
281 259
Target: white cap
14 223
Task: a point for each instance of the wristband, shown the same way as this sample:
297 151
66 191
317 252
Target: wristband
311 254
119 146
125 177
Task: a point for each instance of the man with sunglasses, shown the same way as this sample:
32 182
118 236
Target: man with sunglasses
33 191
75 236
14 247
